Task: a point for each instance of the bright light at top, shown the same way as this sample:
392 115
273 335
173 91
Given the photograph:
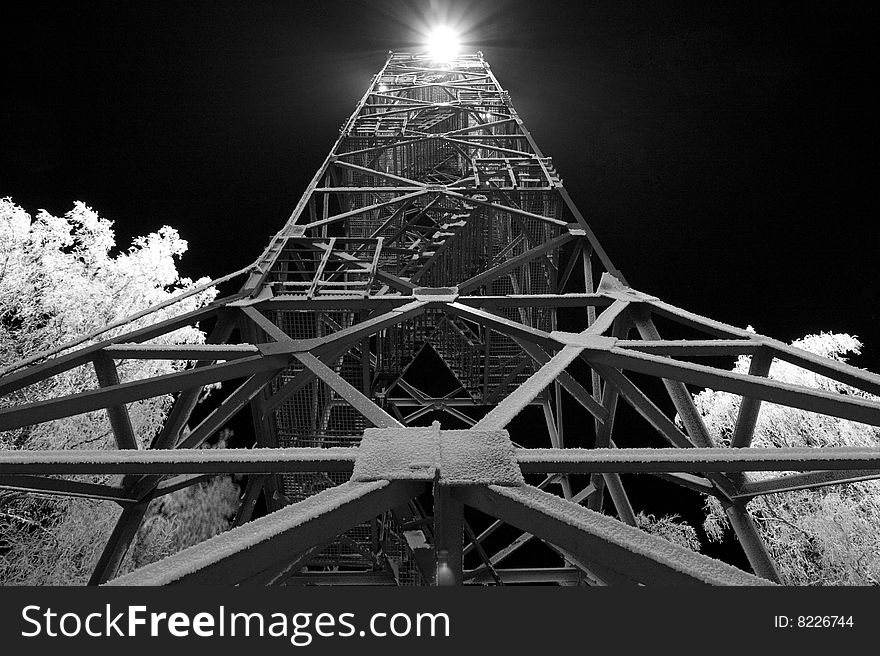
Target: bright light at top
443 45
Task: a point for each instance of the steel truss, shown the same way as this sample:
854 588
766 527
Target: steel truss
436 224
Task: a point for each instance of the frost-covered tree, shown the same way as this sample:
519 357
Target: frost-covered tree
828 536
670 527
60 278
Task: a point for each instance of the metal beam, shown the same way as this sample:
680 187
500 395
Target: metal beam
511 264
228 408
130 520
535 300
699 322
250 549
357 399
804 481
551 575
178 461
448 536
502 324
115 395
834 369
647 460
60 486
120 421
503 413
691 348
747 416
14 381
742 523
212 352
859 461
117 544
598 538
795 396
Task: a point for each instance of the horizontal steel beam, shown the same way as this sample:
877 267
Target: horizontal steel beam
178 461
284 301
341 459
381 577
536 300
557 575
572 461
180 351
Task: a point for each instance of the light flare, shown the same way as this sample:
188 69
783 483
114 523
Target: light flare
443 44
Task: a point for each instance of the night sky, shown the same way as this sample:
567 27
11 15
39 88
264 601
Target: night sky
726 156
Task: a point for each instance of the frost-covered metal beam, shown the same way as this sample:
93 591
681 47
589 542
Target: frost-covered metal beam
116 395
503 413
358 331
858 461
594 537
747 417
178 461
535 300
509 265
363 404
14 381
120 539
552 575
253 548
839 371
181 351
120 421
691 348
502 324
354 301
524 394
740 520
805 481
795 396
230 407
131 517
623 386
60 486
697 321
580 461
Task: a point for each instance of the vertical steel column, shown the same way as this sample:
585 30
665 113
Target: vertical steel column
448 536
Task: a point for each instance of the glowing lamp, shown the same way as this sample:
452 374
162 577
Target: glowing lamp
443 44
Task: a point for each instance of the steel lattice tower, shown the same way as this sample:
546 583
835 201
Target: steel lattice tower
437 231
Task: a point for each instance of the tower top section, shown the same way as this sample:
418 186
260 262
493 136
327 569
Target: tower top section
437 171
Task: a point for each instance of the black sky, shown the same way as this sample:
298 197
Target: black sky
725 154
